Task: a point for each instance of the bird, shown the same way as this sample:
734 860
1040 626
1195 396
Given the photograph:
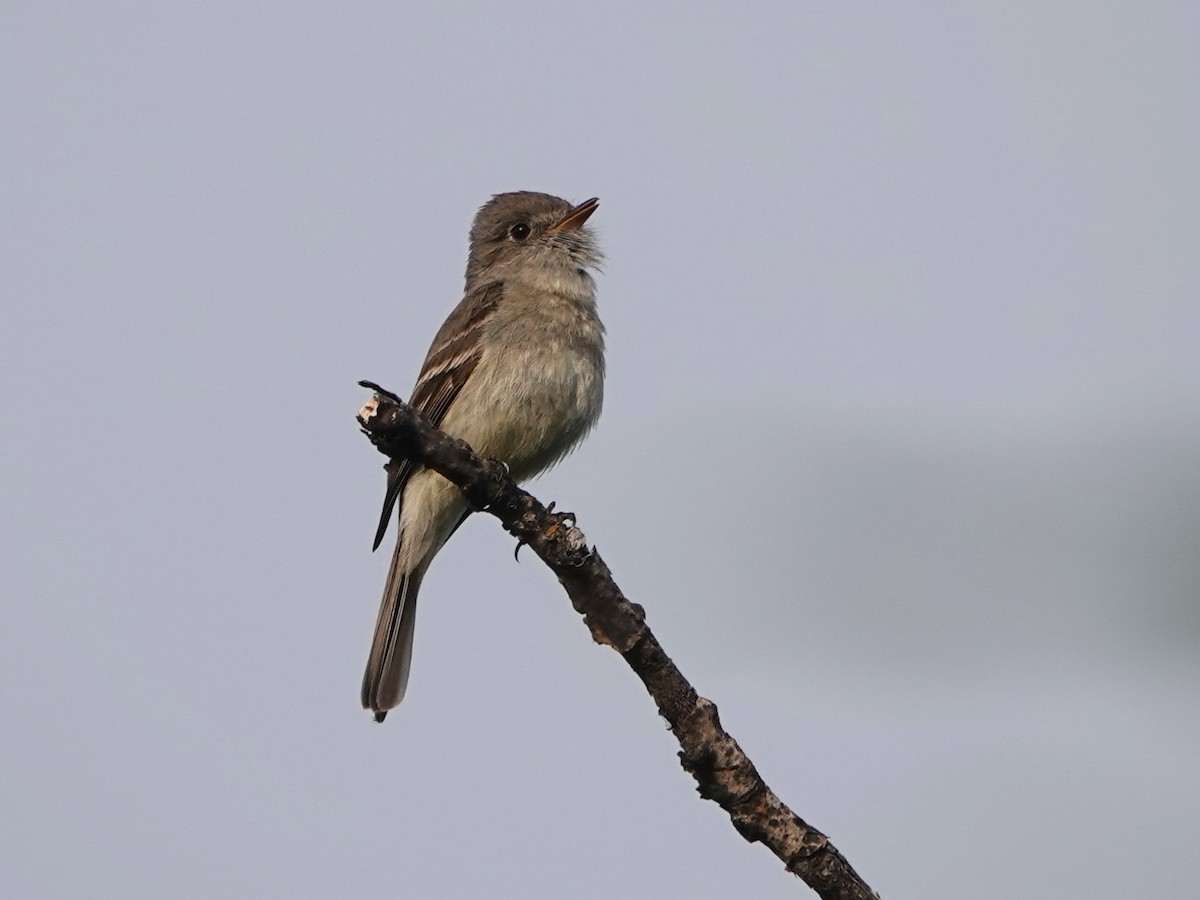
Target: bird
516 371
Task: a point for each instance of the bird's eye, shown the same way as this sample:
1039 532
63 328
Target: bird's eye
519 232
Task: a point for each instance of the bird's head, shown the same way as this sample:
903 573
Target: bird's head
525 228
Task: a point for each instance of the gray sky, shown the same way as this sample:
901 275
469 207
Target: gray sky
899 449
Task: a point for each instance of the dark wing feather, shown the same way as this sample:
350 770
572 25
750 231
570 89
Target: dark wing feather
450 361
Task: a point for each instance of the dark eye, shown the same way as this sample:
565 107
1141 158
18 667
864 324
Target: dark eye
519 232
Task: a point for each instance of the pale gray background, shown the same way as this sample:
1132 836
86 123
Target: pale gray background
900 448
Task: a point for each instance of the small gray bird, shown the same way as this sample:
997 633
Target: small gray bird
517 371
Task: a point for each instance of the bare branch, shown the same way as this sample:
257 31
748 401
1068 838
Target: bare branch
722 771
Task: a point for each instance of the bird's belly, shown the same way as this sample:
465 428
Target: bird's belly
530 408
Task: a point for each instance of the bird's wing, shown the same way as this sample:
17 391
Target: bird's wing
451 359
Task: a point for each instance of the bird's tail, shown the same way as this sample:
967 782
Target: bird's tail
386 677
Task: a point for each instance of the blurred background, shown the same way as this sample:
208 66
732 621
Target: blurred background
899 452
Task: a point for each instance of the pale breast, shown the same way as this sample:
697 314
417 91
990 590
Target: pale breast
539 387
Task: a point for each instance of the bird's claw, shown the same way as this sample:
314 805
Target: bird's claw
561 517
561 520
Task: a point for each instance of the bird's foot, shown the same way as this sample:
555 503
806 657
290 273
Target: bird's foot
561 518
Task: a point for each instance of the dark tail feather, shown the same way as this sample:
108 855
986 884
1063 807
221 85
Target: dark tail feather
397 476
386 677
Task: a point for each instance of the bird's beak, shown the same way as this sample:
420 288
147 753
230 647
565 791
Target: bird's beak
576 217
